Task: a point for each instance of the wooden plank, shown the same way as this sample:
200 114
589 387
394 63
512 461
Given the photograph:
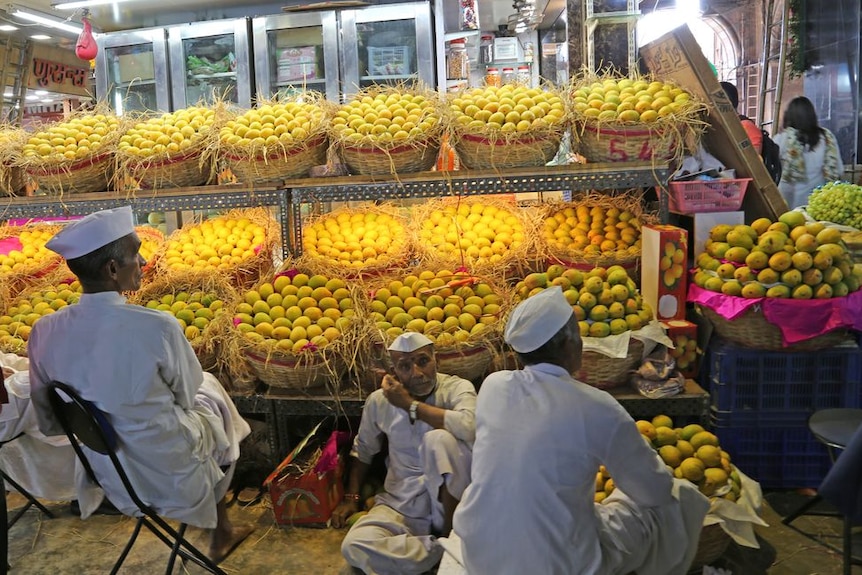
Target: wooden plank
677 56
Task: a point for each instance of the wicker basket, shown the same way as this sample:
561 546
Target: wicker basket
603 372
180 171
11 180
477 152
603 143
297 372
93 174
752 330
275 168
373 161
468 361
711 545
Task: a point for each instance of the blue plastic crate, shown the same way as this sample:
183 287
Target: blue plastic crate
742 379
758 418
777 457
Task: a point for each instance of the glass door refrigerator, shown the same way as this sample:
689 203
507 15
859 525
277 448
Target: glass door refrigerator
296 52
211 60
132 70
387 44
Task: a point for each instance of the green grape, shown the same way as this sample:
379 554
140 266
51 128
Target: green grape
838 202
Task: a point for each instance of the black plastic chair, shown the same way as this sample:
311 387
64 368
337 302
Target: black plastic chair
840 430
86 424
31 500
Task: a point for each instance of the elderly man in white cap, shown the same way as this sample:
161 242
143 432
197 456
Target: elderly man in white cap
179 428
540 438
429 421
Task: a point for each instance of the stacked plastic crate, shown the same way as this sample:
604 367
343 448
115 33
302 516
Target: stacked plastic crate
761 402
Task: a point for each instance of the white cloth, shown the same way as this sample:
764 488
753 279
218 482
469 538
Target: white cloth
796 193
388 542
540 438
136 365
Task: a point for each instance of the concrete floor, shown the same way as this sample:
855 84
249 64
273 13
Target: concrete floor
67 545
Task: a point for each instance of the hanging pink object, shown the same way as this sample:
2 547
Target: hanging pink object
86 47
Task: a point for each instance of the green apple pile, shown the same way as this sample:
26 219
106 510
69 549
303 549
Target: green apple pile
193 310
783 259
605 301
298 314
839 202
447 307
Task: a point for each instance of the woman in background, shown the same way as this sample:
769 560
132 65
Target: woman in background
809 153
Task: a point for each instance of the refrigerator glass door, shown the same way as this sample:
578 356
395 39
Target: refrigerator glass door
131 71
388 44
296 52
210 61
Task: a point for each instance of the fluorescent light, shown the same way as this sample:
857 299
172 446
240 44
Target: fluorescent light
45 20
40 37
84 4
40 92
47 100
31 97
7 94
7 28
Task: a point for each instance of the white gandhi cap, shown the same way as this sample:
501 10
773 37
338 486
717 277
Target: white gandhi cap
535 320
410 341
92 232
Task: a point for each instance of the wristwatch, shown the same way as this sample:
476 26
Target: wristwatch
413 411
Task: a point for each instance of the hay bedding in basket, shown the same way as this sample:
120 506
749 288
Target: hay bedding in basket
386 130
292 138
75 155
189 293
357 242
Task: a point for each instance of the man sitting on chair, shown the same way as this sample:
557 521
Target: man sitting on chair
177 426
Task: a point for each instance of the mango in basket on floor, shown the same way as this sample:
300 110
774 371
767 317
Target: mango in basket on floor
788 258
220 243
605 301
76 139
690 453
448 308
357 239
25 249
295 314
193 311
23 312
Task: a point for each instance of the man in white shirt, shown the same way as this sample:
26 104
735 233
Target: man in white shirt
540 438
428 420
177 425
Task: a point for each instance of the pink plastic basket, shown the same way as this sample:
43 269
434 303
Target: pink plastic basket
698 196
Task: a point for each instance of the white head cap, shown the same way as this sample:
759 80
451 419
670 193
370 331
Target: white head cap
92 232
410 341
535 320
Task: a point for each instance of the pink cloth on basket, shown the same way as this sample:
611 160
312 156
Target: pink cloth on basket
798 319
9 244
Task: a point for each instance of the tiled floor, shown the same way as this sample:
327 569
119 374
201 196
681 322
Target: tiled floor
67 545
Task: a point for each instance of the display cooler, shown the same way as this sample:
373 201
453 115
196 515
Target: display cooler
132 70
211 60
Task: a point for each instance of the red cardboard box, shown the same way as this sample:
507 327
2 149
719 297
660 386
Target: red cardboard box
683 334
306 492
663 266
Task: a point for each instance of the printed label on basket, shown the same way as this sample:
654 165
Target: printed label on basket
663 281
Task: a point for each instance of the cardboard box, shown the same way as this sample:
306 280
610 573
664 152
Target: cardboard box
677 56
136 67
663 270
703 223
305 492
298 63
683 334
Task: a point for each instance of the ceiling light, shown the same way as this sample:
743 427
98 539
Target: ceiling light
83 4
7 94
31 97
44 19
47 100
7 28
40 92
40 37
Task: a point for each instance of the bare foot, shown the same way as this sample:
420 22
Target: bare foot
224 542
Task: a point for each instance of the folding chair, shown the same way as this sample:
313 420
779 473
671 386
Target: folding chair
85 424
31 500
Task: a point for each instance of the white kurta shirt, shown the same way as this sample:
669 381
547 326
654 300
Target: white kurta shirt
405 482
541 436
144 376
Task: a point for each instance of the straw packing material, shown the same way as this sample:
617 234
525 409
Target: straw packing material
355 241
172 150
389 130
240 243
199 302
11 146
23 255
507 126
605 301
481 234
73 156
619 119
296 331
21 312
595 229
277 140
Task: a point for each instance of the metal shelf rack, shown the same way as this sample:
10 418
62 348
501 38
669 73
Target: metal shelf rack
600 176
199 198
